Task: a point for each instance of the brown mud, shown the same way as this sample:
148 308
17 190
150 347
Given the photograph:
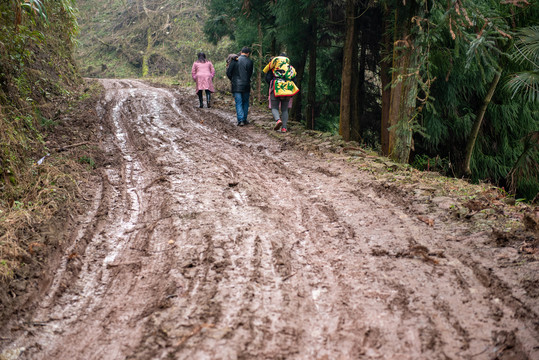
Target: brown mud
209 241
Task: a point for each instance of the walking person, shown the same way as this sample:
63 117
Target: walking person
239 72
280 75
203 73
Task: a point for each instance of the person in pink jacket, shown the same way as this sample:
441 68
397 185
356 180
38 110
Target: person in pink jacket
203 73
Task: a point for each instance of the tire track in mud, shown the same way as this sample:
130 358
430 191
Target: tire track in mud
476 278
210 241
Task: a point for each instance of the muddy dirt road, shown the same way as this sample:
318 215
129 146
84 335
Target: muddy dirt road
210 241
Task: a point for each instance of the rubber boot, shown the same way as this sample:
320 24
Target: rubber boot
199 93
208 98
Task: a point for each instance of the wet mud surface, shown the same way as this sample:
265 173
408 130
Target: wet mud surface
209 241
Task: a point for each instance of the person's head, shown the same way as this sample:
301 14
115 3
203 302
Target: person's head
230 58
201 57
246 51
283 54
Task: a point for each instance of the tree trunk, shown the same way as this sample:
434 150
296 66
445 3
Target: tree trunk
295 113
477 124
345 126
146 56
385 79
311 95
404 91
358 91
346 121
260 60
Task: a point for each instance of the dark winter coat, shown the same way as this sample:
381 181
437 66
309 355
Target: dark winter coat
239 72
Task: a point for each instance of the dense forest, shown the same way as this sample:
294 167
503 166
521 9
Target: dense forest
450 86
444 86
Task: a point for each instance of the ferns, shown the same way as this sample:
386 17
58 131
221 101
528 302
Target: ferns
526 53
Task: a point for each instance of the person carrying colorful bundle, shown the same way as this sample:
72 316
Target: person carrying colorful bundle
280 75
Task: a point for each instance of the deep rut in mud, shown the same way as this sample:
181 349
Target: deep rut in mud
210 241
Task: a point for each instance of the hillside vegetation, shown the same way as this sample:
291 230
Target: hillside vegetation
39 89
145 38
35 69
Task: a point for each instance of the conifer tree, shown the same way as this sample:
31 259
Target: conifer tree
473 121
349 61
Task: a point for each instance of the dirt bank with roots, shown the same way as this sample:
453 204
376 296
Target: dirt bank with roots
209 241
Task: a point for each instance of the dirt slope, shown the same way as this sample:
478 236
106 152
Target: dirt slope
210 241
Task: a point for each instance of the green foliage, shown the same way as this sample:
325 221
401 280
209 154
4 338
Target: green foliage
87 160
35 66
36 7
121 39
526 53
221 21
424 162
329 124
525 172
468 46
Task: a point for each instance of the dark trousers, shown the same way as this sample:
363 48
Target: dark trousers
242 106
208 98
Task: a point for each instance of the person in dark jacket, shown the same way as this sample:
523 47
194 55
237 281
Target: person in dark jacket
239 72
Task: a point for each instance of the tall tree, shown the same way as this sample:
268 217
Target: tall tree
222 20
385 80
473 121
405 58
349 61
313 47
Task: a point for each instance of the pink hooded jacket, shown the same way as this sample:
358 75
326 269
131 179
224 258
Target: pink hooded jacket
203 74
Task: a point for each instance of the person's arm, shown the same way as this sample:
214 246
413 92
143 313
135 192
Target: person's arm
194 71
269 77
212 70
230 69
